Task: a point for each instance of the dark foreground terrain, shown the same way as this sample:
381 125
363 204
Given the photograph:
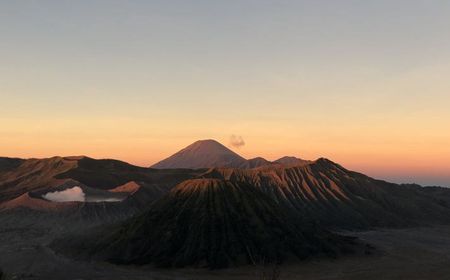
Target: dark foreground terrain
415 253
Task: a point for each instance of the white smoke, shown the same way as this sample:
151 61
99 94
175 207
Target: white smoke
72 194
236 141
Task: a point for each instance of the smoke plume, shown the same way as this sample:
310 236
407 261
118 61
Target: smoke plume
236 141
72 194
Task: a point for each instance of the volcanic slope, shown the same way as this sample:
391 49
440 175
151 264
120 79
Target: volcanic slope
113 189
206 154
337 197
203 154
44 174
32 174
7 164
213 223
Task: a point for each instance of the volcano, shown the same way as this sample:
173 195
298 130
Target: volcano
225 211
213 223
203 154
126 188
322 190
210 153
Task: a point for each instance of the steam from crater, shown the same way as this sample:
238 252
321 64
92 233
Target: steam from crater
236 141
72 194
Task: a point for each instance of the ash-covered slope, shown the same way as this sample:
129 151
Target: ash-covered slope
7 163
110 190
322 190
214 223
33 202
75 201
336 197
31 175
96 206
108 173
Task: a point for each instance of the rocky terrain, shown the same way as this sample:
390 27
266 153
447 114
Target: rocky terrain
411 253
211 223
102 216
110 187
339 198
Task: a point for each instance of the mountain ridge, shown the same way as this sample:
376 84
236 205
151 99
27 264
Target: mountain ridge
210 223
326 191
213 217
210 153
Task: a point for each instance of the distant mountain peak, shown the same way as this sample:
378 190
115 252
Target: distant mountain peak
202 154
209 144
290 160
76 157
209 153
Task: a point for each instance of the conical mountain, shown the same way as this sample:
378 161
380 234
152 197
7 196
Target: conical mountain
203 154
213 223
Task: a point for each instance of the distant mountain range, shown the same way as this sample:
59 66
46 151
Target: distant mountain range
322 190
210 153
208 205
24 183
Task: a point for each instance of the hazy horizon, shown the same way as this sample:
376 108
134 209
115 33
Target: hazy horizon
363 84
393 177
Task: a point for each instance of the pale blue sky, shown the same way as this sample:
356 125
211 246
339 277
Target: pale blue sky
341 79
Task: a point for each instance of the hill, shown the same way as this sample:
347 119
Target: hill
213 223
109 187
339 198
287 160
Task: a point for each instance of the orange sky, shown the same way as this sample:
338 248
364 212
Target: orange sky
409 154
365 84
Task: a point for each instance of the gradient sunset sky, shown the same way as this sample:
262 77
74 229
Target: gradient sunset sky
364 83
